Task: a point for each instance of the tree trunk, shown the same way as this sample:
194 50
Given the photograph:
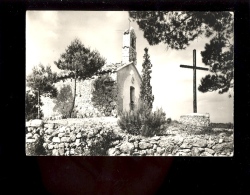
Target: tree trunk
74 97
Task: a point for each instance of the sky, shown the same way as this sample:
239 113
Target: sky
48 33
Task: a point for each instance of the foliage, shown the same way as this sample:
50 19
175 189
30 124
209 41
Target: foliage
64 101
100 147
177 29
131 122
146 88
104 92
41 82
169 120
221 65
154 124
80 63
36 148
42 79
31 105
143 121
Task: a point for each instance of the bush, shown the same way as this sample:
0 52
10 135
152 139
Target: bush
154 124
64 101
131 121
143 121
31 109
104 92
36 148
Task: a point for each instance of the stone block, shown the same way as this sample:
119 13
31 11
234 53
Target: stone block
66 145
186 145
56 146
72 137
177 140
195 151
79 135
55 152
210 151
72 151
112 151
202 143
145 145
29 135
56 140
62 129
49 125
50 146
160 150
78 142
55 133
65 139
127 147
150 152
30 140
36 123
30 129
206 154
61 151
61 134
49 131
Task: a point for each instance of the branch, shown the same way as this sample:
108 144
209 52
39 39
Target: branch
180 24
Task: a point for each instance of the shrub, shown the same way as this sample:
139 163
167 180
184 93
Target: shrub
36 148
104 92
143 121
131 121
31 109
64 101
154 123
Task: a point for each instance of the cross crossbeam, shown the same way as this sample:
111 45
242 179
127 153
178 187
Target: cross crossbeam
197 68
194 67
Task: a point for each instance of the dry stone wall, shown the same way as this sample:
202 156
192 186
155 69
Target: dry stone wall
79 140
202 120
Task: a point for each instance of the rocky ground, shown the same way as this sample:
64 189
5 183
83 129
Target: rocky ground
177 140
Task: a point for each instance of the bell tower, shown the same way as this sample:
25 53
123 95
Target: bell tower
129 46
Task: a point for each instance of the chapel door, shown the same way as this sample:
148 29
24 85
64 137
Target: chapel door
132 98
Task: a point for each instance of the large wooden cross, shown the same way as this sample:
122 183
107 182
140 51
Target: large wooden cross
194 67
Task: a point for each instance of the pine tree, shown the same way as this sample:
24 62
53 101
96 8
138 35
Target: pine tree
80 63
146 95
177 29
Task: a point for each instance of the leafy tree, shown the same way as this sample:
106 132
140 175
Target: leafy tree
41 81
64 100
178 29
104 93
31 105
146 88
80 63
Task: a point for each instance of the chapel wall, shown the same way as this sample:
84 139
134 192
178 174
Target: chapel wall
124 83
